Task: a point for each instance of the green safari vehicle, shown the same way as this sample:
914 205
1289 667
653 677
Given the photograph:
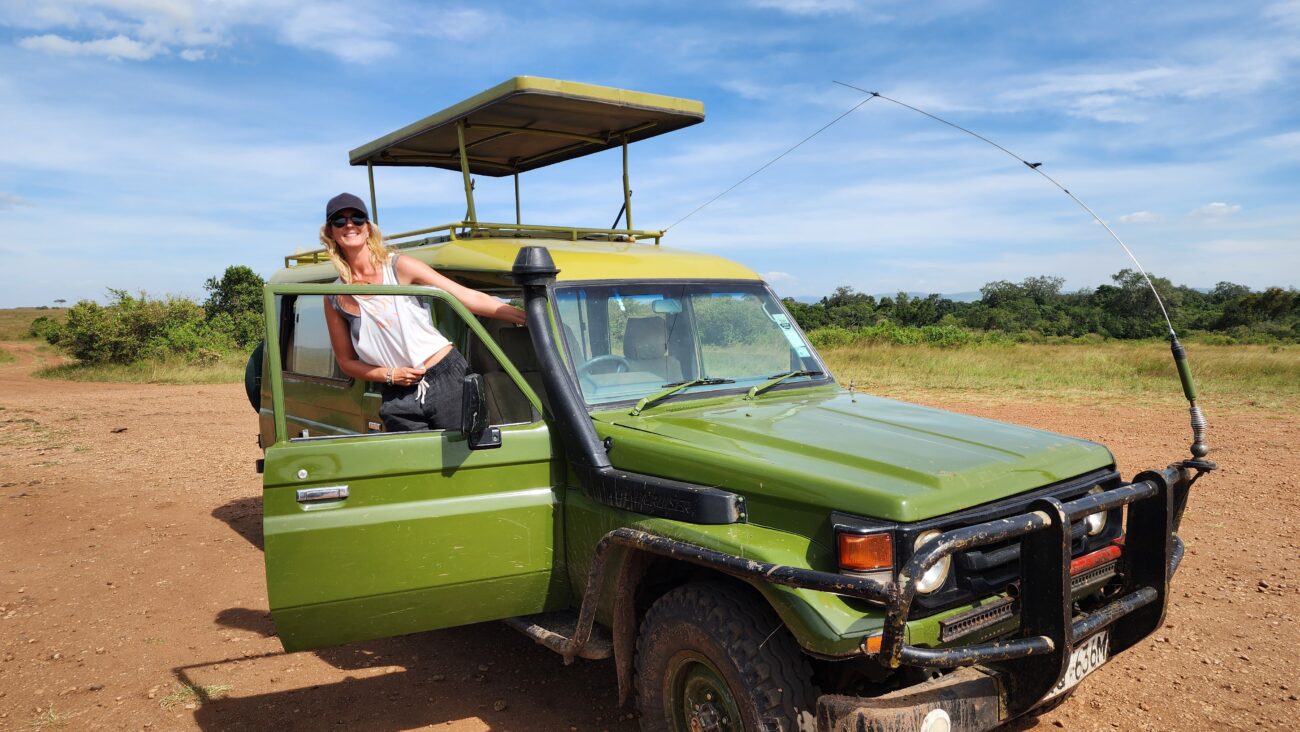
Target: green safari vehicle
660 468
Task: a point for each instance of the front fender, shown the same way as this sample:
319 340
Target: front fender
823 623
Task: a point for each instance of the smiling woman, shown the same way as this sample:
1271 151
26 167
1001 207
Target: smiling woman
391 339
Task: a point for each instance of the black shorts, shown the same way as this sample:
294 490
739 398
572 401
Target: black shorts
403 411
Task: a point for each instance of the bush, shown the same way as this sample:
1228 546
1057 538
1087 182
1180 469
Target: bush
132 328
947 335
234 305
831 337
46 329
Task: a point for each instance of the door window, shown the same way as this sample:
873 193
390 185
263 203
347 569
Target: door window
309 352
321 400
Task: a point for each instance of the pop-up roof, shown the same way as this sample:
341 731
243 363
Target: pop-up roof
530 122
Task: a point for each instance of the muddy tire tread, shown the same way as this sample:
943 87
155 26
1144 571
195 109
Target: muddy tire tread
770 665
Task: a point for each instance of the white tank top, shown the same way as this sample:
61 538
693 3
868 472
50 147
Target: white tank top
392 331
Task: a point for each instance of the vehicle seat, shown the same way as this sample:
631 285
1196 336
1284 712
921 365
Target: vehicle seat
506 404
645 346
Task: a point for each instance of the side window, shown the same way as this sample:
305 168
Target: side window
576 314
309 352
321 401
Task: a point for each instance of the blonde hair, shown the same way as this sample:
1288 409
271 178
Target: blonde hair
379 251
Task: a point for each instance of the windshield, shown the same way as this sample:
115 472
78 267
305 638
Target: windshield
629 342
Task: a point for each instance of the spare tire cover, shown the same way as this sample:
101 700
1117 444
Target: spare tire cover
253 377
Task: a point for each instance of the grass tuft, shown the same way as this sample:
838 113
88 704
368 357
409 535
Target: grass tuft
49 718
194 693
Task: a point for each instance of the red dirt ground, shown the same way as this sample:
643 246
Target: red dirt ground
130 562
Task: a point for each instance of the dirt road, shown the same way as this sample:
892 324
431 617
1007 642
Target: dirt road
130 563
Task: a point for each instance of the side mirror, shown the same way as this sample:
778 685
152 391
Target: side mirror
474 415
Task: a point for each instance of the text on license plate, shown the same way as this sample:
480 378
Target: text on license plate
1087 657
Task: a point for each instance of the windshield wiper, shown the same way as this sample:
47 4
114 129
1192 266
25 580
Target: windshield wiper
673 388
776 379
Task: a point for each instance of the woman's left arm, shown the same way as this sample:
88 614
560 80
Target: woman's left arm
411 271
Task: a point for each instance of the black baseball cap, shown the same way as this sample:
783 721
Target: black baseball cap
344 201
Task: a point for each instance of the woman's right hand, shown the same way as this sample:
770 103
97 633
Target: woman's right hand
406 376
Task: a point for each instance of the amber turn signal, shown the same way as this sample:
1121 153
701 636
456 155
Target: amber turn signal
866 552
871 644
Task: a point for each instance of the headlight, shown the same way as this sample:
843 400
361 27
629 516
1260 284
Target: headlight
1095 522
938 574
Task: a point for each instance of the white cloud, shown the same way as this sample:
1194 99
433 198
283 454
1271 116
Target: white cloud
457 24
778 277
142 29
116 48
1285 14
1139 217
329 27
1204 69
9 201
1216 210
806 7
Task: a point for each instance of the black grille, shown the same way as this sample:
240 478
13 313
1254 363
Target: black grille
995 567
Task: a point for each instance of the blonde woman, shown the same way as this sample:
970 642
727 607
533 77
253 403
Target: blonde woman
392 340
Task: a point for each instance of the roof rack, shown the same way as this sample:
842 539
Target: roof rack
526 123
459 230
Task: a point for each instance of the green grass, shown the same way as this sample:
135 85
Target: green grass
1231 376
5 356
15 322
229 370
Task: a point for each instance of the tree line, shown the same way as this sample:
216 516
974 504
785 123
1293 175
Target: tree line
1037 308
131 328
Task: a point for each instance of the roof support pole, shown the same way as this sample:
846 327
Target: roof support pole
464 171
374 210
627 189
518 221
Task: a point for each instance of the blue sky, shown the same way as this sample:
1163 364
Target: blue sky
149 144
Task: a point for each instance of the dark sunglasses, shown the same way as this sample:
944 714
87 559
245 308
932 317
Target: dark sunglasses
339 222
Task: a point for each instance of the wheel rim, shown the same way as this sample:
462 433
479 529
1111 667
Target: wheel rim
699 699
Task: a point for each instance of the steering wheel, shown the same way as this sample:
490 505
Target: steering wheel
621 365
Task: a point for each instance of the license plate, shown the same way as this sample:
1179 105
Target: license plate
1087 657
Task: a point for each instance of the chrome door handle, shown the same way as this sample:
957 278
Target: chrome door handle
331 493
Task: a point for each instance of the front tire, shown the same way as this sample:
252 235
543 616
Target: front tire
713 658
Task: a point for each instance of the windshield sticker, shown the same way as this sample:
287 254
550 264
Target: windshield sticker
791 335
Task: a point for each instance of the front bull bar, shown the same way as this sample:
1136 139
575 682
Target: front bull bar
1048 631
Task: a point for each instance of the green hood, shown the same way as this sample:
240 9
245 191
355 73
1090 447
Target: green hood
823 448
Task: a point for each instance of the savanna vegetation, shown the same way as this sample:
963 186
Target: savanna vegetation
1036 310
1032 339
167 340
1028 338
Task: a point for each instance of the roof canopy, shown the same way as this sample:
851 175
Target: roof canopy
529 122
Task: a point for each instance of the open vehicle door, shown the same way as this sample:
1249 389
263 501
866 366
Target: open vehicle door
371 535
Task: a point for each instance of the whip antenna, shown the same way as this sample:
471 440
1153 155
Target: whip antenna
765 166
1199 446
